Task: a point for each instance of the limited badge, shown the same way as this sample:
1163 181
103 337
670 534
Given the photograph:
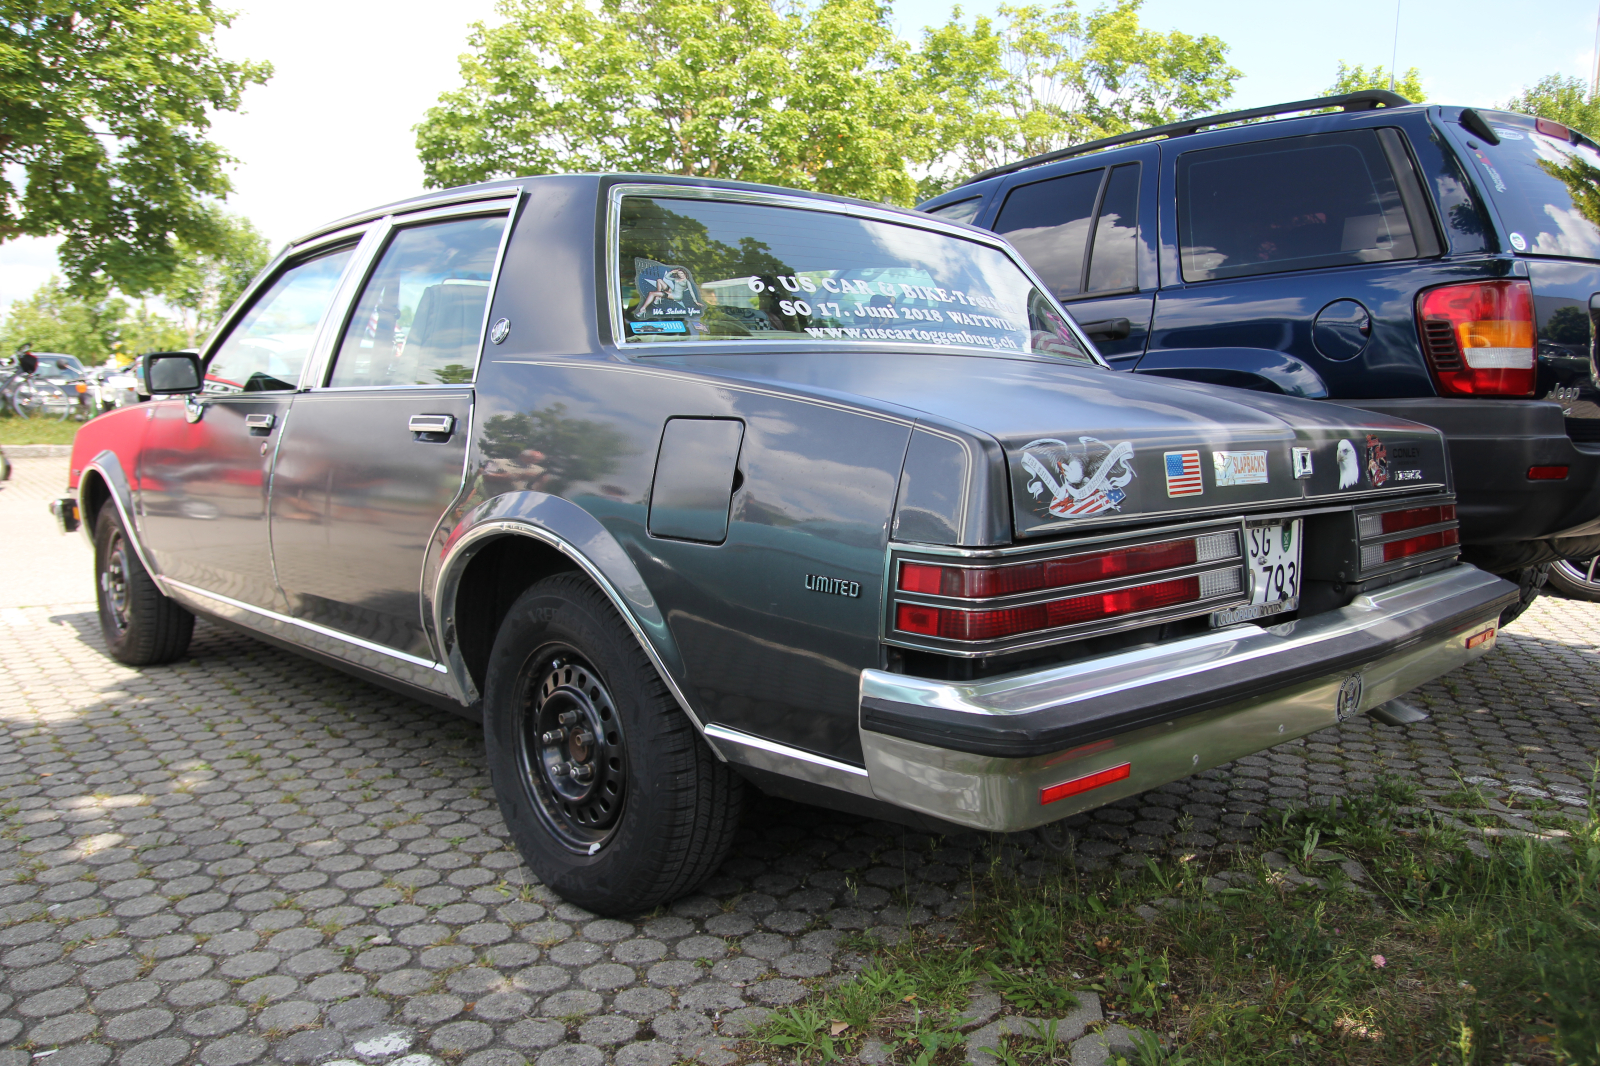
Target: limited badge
1080 479
1240 468
1348 703
500 330
1302 463
1349 465
1183 473
1377 462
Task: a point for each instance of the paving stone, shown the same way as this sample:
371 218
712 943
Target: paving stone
168 1051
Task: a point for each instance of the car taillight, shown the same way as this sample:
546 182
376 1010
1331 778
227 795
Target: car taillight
1435 525
1479 337
1176 574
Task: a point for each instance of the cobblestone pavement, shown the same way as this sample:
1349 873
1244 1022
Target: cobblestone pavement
247 857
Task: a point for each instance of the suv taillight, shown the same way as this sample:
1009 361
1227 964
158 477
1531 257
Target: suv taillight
1479 337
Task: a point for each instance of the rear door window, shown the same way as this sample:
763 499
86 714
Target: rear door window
1054 223
1293 203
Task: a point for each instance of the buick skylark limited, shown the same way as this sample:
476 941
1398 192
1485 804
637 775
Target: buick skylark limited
686 487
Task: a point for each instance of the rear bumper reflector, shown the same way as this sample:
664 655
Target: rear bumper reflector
1083 784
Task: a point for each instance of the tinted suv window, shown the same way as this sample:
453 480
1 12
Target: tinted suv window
1546 187
1048 222
267 347
1289 204
420 316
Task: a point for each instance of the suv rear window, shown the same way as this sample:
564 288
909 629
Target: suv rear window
1295 203
1547 189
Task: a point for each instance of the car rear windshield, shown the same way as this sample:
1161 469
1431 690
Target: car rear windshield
1546 188
710 270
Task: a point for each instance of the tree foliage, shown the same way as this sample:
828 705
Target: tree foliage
103 118
817 94
1566 100
1354 79
94 327
1039 78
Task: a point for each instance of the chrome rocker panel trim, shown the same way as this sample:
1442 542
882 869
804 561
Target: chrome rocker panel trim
411 669
745 749
990 792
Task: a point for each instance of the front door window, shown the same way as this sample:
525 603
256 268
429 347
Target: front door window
269 345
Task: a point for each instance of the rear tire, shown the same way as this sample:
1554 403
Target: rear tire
609 792
142 626
1577 578
1529 579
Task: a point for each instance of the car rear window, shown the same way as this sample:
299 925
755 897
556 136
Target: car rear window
715 270
1293 203
1546 188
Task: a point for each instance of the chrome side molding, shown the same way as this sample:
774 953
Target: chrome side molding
746 749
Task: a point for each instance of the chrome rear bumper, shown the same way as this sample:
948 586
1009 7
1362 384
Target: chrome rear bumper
980 754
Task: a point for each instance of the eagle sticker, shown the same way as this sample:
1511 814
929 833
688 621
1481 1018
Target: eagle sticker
1349 465
1077 480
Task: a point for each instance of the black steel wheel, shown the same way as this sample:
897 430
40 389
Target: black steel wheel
142 627
572 751
1578 578
608 790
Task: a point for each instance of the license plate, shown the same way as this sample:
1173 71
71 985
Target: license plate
1273 554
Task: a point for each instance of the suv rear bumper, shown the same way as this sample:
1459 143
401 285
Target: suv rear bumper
979 754
1492 445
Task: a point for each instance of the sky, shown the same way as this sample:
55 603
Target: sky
331 133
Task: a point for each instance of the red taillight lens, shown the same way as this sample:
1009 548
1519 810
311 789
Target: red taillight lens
948 623
1377 525
1551 128
1378 554
1547 473
983 582
1085 783
1479 337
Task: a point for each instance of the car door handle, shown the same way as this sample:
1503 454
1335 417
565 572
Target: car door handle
433 425
259 423
1107 329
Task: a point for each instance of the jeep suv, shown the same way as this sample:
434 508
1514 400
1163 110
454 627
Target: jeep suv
1441 264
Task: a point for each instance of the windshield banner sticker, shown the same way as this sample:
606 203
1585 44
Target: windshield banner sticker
1240 468
1082 479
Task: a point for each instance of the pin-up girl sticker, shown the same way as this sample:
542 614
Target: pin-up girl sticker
665 291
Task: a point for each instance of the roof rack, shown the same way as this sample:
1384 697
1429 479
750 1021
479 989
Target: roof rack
1365 100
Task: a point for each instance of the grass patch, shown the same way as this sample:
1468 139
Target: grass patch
14 430
1366 932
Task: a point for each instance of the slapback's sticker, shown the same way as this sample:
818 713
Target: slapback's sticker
1377 462
1183 473
1302 463
668 297
1080 479
1240 468
1349 466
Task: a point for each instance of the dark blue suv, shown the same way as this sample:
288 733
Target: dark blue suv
1441 264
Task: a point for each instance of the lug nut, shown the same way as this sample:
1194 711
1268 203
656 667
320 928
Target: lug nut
583 772
553 736
568 717
560 769
582 738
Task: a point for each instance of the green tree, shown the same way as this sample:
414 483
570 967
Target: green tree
1566 100
104 108
205 283
1039 78
57 319
818 95
1354 79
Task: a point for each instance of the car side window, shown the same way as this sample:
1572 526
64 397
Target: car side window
420 316
960 211
1293 203
267 346
1114 264
1048 222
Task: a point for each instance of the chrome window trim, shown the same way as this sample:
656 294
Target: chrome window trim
613 250
407 208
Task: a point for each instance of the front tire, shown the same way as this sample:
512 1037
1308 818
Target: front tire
1529 579
142 626
609 793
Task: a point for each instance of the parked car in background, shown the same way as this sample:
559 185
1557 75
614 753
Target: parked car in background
685 486
56 389
1440 264
114 386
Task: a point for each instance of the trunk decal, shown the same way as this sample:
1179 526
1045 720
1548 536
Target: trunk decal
1082 479
1183 474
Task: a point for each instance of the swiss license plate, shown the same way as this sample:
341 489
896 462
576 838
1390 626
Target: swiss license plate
1273 553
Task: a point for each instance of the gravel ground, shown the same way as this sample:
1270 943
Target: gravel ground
247 857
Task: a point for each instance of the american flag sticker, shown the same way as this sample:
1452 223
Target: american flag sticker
1183 473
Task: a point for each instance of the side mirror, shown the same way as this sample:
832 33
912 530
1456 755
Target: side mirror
171 373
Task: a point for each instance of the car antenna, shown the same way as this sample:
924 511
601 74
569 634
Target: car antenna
1394 54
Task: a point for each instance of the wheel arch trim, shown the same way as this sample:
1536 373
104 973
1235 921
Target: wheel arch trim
578 535
108 468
